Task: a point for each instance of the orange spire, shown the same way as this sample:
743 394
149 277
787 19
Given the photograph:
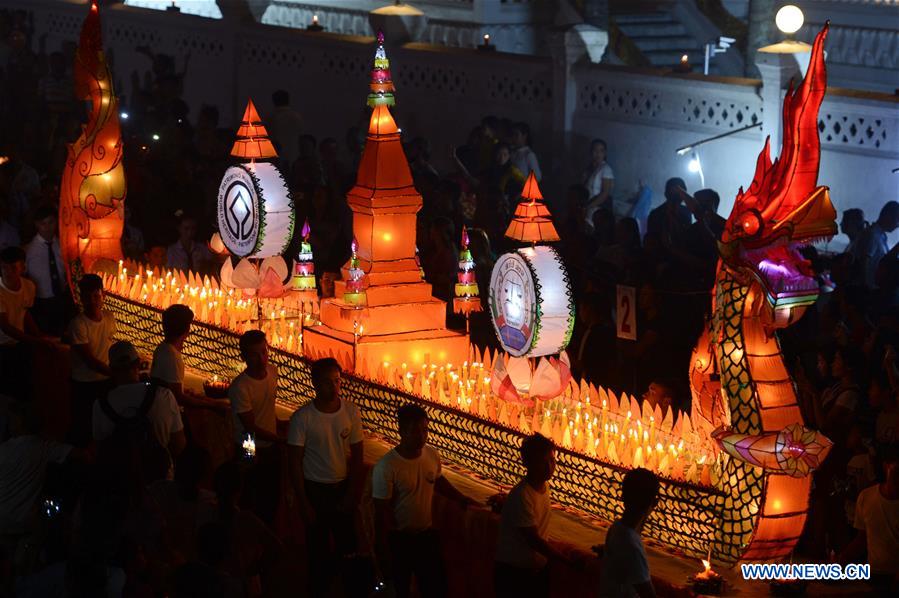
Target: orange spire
252 138
532 222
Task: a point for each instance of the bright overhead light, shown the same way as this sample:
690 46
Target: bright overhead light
693 165
789 19
155 137
124 115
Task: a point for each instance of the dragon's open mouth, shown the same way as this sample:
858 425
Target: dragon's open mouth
784 272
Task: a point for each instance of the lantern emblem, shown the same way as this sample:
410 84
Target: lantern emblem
255 208
531 303
239 216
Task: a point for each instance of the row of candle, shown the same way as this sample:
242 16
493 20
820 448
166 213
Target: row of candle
584 418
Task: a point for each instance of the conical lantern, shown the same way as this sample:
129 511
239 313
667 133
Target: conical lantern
466 300
255 207
532 222
252 139
303 267
381 85
354 293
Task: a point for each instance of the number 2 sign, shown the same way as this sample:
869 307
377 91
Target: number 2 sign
626 313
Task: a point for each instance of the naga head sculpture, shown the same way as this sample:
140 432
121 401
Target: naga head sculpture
784 208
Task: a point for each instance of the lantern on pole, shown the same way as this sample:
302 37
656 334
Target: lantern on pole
255 207
381 85
466 300
531 303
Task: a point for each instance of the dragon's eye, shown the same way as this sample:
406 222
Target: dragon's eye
749 223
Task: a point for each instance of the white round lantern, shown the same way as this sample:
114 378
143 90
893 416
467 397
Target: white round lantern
255 210
531 303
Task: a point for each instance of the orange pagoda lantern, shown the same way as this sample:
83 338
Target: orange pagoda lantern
400 321
532 222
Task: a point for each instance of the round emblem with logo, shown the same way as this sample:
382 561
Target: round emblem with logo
255 211
531 303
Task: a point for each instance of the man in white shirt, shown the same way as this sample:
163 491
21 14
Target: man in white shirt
16 324
127 399
403 485
872 246
23 465
523 157
252 395
168 364
321 435
522 551
53 304
90 335
599 181
625 570
877 522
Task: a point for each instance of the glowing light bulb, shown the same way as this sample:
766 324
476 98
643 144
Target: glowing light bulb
789 19
124 115
155 136
693 165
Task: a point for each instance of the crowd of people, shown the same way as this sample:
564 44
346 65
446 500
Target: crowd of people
170 523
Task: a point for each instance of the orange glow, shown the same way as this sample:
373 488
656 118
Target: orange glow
92 190
252 138
532 222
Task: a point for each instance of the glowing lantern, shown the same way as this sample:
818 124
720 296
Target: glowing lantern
381 86
466 300
217 246
303 267
92 190
531 303
355 285
532 222
255 208
519 381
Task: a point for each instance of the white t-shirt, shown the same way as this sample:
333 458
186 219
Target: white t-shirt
327 438
525 507
98 336
624 563
595 177
249 394
168 365
14 304
879 519
23 462
164 416
410 483
524 159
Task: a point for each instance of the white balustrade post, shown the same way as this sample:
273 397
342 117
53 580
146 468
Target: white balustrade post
567 47
776 70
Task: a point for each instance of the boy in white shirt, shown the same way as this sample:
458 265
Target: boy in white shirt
625 570
403 485
252 395
127 398
320 436
16 324
522 551
168 365
91 335
53 305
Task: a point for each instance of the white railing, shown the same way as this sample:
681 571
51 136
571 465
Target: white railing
643 115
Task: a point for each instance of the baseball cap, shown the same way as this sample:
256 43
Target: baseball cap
122 354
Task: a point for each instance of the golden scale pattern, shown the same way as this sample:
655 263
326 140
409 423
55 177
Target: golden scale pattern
742 484
685 520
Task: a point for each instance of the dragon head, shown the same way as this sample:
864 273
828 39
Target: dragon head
784 208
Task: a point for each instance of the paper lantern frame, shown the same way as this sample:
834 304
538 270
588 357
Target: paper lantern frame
530 265
273 227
